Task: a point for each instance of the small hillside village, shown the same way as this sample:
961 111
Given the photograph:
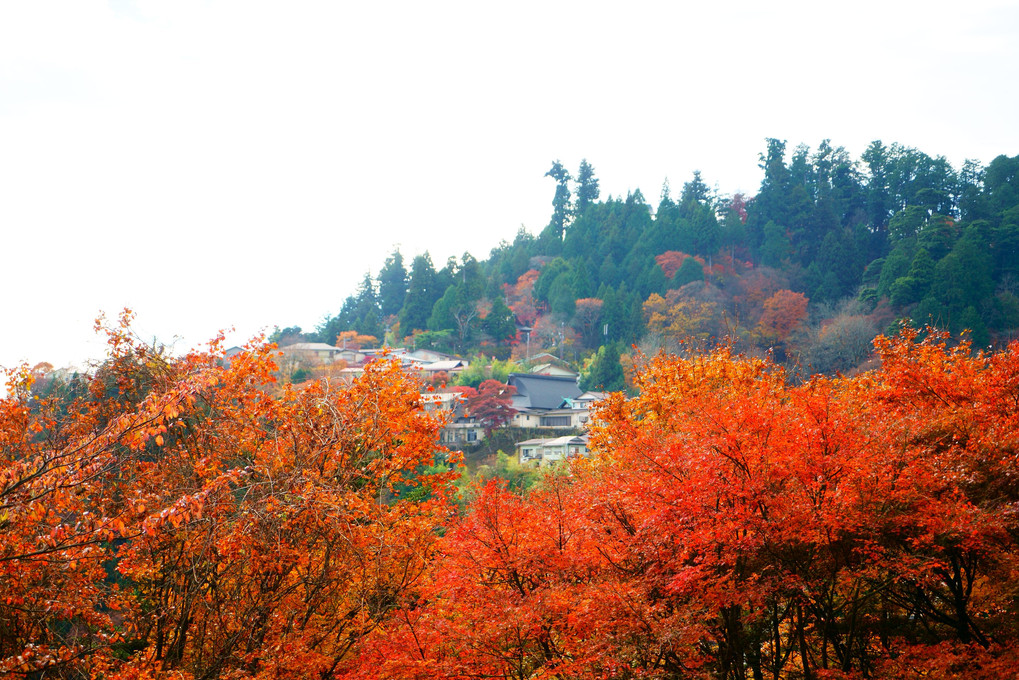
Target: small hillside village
546 400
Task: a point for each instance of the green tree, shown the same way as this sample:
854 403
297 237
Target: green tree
914 285
879 202
1001 184
691 270
561 208
695 193
562 296
587 187
706 233
456 311
963 277
392 285
776 247
937 235
549 273
469 275
1005 244
773 201
839 257
500 322
896 265
366 309
605 371
422 294
970 320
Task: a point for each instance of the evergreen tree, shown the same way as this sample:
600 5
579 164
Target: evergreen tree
605 371
838 256
972 200
896 265
879 202
1001 184
963 277
562 296
695 193
613 314
470 276
549 273
688 272
441 317
366 309
772 201
776 247
706 233
392 285
422 292
447 276
635 319
608 274
561 209
500 322
582 283
587 187
914 286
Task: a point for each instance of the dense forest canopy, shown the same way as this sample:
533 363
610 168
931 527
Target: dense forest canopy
829 252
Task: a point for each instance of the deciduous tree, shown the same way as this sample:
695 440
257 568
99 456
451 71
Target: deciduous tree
182 516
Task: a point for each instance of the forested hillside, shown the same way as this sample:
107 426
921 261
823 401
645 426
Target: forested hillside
829 252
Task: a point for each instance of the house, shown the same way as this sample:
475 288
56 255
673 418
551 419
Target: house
549 364
318 352
590 397
585 401
542 392
540 401
426 356
448 366
461 429
551 368
385 350
306 356
573 412
546 451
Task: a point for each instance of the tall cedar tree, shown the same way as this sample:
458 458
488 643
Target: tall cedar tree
587 187
422 292
392 285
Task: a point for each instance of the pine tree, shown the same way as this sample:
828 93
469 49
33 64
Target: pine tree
422 292
500 322
587 187
366 309
561 208
392 285
605 372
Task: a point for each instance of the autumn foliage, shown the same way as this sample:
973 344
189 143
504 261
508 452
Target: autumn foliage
186 518
177 518
491 403
731 525
783 313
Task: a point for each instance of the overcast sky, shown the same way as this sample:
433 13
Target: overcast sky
214 164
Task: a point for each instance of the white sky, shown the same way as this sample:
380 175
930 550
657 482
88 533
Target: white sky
215 164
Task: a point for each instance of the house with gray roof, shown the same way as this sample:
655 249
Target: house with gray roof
543 401
542 392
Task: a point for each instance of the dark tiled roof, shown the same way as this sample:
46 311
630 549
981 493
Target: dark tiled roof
542 391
